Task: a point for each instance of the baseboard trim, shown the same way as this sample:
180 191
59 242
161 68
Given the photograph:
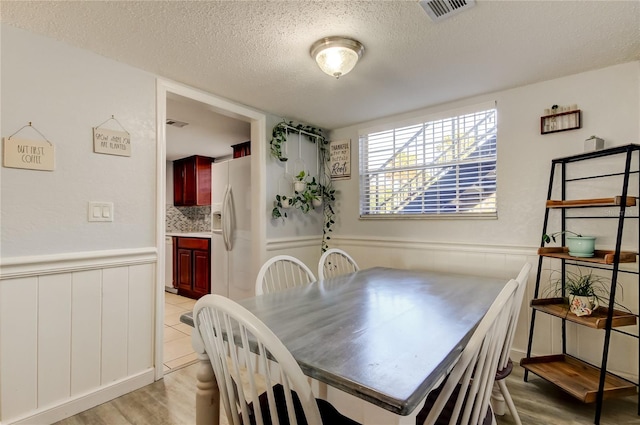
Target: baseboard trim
86 401
17 267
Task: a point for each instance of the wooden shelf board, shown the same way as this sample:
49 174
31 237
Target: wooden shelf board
597 320
577 378
596 202
600 256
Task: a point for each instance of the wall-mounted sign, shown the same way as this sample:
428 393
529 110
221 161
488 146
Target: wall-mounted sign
29 154
111 142
340 159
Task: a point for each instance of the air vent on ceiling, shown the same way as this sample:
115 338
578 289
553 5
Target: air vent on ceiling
176 123
442 9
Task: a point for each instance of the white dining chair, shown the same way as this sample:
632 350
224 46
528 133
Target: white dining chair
505 366
464 396
231 333
282 272
335 262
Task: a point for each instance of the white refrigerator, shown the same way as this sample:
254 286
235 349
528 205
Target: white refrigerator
231 229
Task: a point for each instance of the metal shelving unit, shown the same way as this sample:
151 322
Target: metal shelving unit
588 382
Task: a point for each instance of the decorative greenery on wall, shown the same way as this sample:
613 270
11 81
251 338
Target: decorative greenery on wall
314 193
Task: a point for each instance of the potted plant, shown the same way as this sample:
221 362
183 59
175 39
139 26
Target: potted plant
579 246
283 202
315 191
300 182
585 292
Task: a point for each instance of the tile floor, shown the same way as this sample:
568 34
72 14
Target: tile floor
177 336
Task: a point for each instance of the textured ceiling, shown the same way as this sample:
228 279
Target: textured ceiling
257 52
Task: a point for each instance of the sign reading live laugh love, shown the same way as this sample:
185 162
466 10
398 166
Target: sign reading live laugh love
340 159
111 142
29 154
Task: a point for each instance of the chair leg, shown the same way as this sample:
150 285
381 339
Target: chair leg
507 397
498 404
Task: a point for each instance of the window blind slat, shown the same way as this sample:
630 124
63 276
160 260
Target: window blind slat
446 166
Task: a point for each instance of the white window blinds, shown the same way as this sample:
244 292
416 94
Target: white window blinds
444 167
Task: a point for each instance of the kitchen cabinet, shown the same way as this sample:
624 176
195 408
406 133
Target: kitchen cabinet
193 266
192 181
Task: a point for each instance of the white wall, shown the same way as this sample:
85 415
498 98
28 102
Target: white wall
610 101
64 93
76 298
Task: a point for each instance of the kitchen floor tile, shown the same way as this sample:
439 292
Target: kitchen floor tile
170 298
181 361
177 348
171 334
184 328
174 308
187 303
172 319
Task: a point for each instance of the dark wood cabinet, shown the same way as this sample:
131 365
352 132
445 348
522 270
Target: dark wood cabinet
192 181
193 267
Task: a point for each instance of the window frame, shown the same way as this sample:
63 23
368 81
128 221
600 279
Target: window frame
366 210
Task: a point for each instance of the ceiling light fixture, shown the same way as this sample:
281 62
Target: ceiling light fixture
336 56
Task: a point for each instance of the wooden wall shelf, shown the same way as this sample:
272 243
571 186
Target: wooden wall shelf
597 320
599 256
562 121
599 202
577 378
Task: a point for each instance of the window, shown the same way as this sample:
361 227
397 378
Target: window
440 167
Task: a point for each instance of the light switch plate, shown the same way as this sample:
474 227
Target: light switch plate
100 211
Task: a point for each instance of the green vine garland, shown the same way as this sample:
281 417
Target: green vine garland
314 190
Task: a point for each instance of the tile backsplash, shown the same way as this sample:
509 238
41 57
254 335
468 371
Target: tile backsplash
188 219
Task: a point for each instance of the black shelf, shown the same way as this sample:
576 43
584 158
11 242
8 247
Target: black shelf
560 369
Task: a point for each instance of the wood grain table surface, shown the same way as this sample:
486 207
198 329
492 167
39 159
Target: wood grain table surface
384 335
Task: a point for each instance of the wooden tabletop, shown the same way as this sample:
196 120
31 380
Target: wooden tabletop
384 335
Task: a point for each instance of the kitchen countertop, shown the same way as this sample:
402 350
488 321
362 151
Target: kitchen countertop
204 235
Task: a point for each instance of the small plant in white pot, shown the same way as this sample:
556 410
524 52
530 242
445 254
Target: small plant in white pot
579 246
315 191
300 182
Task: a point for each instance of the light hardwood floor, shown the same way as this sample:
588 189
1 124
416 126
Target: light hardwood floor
171 401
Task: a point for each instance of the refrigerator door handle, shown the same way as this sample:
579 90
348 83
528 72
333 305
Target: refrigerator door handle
226 219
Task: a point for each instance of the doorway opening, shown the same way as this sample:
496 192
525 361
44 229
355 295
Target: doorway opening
171 95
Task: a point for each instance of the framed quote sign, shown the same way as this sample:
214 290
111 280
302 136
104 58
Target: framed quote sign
340 159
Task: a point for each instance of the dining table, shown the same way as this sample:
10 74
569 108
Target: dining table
384 335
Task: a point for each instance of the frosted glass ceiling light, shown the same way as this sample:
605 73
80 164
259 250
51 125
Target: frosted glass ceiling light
336 56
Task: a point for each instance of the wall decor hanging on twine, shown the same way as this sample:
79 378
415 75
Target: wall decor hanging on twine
29 154
111 142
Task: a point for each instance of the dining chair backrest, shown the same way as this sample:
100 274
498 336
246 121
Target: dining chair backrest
464 396
282 272
514 315
228 332
335 262
505 365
